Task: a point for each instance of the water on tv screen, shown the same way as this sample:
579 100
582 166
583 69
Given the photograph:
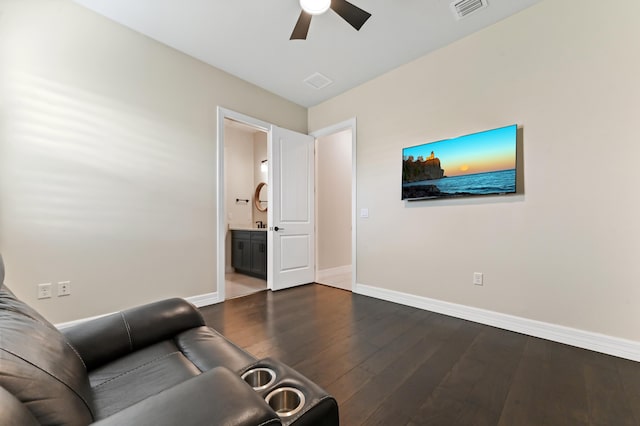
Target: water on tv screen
481 163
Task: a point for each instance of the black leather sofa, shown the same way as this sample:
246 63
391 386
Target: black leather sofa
158 364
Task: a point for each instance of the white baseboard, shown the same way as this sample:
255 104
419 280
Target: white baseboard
615 346
63 325
204 299
323 274
199 301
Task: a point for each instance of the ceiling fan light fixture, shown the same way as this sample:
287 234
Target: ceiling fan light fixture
315 7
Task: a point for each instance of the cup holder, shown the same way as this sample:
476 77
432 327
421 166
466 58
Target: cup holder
286 402
259 378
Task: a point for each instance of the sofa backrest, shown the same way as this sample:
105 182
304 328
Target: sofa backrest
39 367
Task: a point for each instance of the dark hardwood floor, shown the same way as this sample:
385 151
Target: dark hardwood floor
389 364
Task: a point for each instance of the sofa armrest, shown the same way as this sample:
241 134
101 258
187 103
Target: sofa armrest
215 397
12 411
104 339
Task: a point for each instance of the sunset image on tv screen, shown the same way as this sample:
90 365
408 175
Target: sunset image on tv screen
482 163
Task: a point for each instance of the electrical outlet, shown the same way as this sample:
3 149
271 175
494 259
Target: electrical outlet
477 278
44 291
64 288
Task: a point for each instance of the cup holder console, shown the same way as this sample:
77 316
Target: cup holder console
294 398
286 402
259 378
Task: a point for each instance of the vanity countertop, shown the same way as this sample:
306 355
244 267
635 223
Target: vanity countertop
245 228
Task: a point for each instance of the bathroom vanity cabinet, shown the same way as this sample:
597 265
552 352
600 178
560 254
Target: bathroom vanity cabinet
249 252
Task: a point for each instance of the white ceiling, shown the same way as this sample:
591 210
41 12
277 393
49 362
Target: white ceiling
250 38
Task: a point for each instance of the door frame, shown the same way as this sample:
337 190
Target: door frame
222 114
326 131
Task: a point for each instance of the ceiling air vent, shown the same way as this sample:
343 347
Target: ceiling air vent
318 81
463 8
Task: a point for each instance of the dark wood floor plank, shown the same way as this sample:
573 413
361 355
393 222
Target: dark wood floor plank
329 365
549 388
439 410
387 415
305 337
443 410
351 382
373 393
608 403
357 408
390 353
479 382
386 386
389 364
415 390
630 377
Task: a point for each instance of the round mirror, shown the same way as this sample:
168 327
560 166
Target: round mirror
260 197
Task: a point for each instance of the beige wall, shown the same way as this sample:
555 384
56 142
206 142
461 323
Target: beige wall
564 252
333 200
108 159
238 179
259 154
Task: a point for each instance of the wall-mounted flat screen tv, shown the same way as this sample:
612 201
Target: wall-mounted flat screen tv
481 163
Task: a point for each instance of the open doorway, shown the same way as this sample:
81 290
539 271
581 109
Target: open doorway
243 144
245 208
335 205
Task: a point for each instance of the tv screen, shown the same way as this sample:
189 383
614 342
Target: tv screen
481 163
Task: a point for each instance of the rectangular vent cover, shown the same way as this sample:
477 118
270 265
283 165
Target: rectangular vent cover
464 8
318 81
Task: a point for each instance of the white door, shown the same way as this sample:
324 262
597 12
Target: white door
291 243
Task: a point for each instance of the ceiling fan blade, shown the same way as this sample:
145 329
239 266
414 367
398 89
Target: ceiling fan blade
302 27
350 13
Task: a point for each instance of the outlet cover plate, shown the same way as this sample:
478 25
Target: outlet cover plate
44 291
64 288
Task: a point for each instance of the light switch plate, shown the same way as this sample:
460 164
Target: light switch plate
477 278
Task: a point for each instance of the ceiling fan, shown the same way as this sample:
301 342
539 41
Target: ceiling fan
355 16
